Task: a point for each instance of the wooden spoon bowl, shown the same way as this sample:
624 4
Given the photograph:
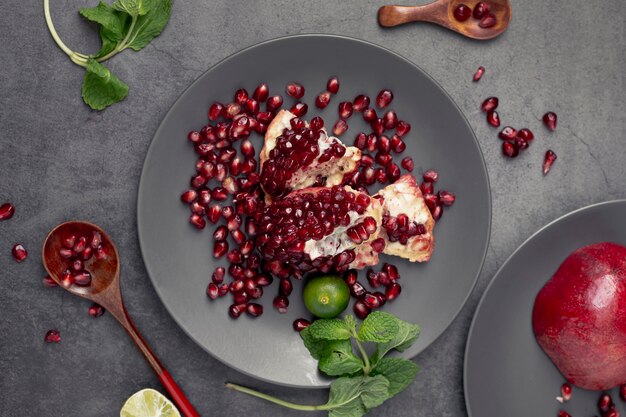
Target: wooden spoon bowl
441 12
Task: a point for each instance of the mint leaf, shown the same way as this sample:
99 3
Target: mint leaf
374 391
355 408
132 7
107 17
101 88
329 329
151 24
320 348
404 338
350 323
340 362
399 372
344 390
378 327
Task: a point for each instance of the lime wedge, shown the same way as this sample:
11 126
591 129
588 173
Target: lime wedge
148 403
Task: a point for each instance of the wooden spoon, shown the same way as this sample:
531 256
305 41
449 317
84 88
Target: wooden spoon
105 290
441 12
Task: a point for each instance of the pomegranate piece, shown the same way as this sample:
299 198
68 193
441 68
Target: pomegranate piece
320 229
300 324
521 143
7 210
508 133
549 119
404 209
510 149
52 336
384 98
478 74
462 12
333 85
295 90
548 160
490 104
19 252
292 159
480 10
96 310
493 118
322 100
487 21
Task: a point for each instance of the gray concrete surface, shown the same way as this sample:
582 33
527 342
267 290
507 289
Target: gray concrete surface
59 161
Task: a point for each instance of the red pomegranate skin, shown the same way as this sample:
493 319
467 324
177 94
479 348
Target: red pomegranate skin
579 317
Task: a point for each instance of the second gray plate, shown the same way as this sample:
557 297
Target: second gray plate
178 258
506 372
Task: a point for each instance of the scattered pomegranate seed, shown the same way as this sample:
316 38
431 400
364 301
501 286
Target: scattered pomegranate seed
295 90
564 414
281 303
384 98
49 282
340 127
526 134
52 336
345 110
437 212
490 104
235 310
487 21
322 100
215 110
82 279
508 133
462 12
430 176
605 402
357 290
521 143
549 119
510 149
241 96
548 160
261 93
300 324
446 198
6 211
611 413
254 310
369 115
371 301
197 221
378 245
566 393
361 102
19 252
220 249
361 310
407 163
333 85
622 392
231 110
96 310
299 109
402 128
478 74
493 118
480 10
274 103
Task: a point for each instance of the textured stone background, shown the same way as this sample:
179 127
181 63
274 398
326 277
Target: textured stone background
60 161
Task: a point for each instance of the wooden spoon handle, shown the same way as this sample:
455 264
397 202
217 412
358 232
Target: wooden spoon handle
436 12
168 382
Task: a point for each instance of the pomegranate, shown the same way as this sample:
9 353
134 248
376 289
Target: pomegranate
578 317
407 223
320 229
294 154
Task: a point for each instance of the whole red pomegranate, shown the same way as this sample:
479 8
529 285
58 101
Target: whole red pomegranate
579 317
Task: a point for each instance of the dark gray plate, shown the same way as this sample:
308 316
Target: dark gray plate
506 372
178 258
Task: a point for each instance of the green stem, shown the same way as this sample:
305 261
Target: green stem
366 359
288 404
77 58
123 44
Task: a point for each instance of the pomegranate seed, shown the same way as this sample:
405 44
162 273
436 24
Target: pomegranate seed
361 310
430 176
220 249
300 324
189 196
384 98
548 160
437 212
241 96
218 275
274 103
212 291
67 279
371 301
231 110
219 194
345 109
252 106
378 126
197 221
19 252
372 143
332 85
447 198
235 310
247 149
392 271
487 21
361 102
462 13
66 253
47 281
402 128
299 109
195 208
101 253
391 120
566 391
612 413
393 291
322 100
96 310
605 402
549 119
69 241
383 279
427 188
340 127
622 392
381 175
295 90
493 118
383 159
234 222
281 303
480 10
254 310
372 279
407 163
508 133
351 276
393 172
82 278
521 143
490 104
510 149
52 336
564 414
215 110
526 134
478 74
357 290
261 92
213 213
285 287
378 245
220 233
397 145
234 256
6 211
361 141
77 265
80 245
369 115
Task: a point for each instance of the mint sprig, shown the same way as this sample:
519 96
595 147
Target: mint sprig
122 25
363 382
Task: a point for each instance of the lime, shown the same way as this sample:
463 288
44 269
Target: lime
148 403
326 296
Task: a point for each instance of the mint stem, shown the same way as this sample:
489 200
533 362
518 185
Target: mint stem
77 58
366 359
278 401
